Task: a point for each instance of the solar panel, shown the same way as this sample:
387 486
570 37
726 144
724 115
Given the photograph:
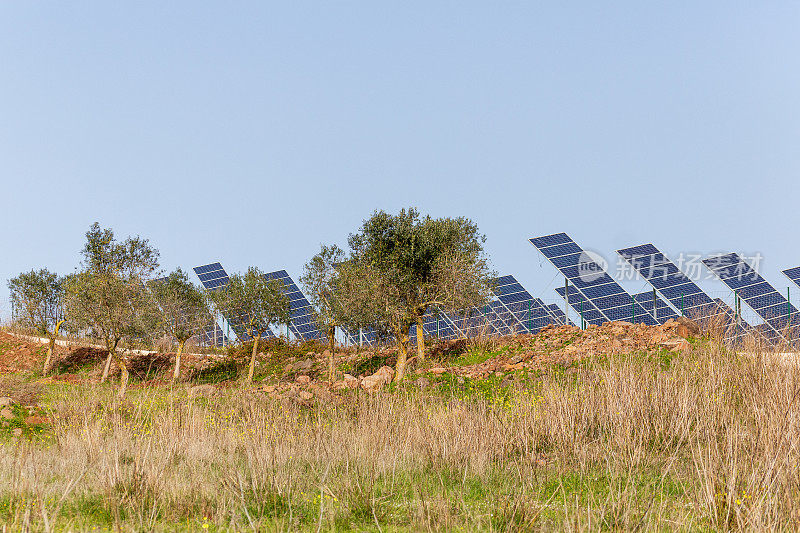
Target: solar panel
756 292
583 307
302 322
589 279
212 277
663 311
558 314
793 274
529 314
673 284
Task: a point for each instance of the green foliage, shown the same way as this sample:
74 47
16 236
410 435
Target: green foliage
259 301
183 307
417 262
107 296
37 299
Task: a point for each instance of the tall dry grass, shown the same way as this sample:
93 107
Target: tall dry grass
704 440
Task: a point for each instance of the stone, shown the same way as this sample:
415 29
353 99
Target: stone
676 345
5 401
437 370
687 327
305 395
36 420
303 380
378 380
17 432
422 382
305 364
517 359
6 414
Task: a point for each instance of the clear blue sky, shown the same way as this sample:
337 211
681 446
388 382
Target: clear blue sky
251 132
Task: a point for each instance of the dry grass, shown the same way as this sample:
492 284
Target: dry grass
705 440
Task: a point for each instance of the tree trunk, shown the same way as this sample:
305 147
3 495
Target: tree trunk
331 368
106 368
252 368
177 373
123 381
400 368
420 340
50 349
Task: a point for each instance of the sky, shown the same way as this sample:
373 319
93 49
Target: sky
251 132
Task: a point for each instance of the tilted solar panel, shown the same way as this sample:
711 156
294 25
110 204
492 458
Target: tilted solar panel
302 322
793 274
212 277
589 279
529 313
673 284
657 307
757 293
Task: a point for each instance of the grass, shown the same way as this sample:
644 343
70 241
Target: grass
704 440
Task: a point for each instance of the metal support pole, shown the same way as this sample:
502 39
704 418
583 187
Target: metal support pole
655 305
583 322
682 313
566 298
633 310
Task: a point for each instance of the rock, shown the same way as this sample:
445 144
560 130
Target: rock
303 380
687 327
206 391
17 432
305 395
36 420
509 368
676 345
378 380
437 371
5 401
269 388
305 364
517 359
6 414
422 382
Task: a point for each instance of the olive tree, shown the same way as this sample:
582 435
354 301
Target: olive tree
107 296
37 299
257 301
183 310
411 264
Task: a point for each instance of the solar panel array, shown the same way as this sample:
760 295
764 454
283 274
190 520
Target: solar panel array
663 311
302 322
529 314
756 292
583 307
557 313
209 334
589 279
671 283
212 277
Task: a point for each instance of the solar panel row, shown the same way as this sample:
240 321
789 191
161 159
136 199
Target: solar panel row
590 280
769 304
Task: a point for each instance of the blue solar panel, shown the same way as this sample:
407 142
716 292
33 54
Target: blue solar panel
793 274
301 311
583 307
589 279
527 315
212 277
768 303
673 284
558 314
663 311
